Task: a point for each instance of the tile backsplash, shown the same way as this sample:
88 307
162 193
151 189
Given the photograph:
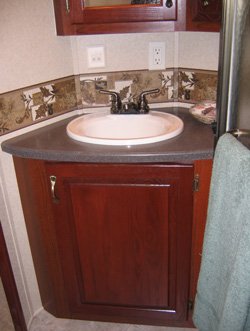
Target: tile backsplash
26 106
129 85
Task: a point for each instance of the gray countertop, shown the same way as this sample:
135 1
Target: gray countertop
196 142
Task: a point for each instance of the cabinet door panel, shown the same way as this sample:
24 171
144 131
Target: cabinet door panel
124 235
118 14
124 259
204 16
209 13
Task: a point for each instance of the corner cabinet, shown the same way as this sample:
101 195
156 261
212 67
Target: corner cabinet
74 18
115 242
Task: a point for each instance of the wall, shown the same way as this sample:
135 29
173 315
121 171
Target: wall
30 50
31 53
197 50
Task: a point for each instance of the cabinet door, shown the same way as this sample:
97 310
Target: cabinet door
74 17
204 15
124 236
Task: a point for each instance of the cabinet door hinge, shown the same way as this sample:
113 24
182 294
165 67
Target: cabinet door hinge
190 305
196 183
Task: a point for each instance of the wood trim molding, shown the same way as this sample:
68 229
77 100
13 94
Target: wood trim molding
9 286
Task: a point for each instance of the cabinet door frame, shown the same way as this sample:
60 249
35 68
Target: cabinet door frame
68 174
80 20
127 13
201 18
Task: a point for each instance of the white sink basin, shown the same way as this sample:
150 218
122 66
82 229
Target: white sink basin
108 129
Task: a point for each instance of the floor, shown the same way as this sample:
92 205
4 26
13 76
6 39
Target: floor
46 322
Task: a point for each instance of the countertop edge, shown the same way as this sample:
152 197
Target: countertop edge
198 147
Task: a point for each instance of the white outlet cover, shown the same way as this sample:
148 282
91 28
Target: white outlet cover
96 56
157 65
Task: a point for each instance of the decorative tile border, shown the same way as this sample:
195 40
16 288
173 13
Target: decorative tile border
129 85
24 107
196 85
27 106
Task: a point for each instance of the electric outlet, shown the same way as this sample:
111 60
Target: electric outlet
96 56
157 55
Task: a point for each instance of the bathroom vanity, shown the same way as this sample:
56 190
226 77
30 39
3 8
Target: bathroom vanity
116 231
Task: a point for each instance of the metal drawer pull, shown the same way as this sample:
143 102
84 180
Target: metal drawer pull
53 183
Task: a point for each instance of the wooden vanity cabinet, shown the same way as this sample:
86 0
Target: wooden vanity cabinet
73 18
204 15
113 242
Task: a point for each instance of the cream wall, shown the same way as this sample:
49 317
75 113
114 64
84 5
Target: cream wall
195 50
31 53
30 50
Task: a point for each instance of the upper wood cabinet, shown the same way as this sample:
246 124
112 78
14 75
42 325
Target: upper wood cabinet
74 18
204 15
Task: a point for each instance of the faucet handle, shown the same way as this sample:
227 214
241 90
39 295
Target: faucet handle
116 104
143 103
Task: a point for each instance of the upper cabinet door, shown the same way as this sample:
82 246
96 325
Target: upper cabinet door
76 17
204 15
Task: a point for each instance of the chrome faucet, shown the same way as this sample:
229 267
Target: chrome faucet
129 108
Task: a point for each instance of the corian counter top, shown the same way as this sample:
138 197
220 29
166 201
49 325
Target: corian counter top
196 142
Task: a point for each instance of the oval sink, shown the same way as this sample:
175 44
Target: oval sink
109 129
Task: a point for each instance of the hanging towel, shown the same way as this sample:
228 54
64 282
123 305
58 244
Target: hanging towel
222 301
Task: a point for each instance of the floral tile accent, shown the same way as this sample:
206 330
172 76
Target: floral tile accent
38 102
12 109
129 85
90 87
65 98
78 90
195 85
50 99
23 107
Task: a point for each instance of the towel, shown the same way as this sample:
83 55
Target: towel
222 301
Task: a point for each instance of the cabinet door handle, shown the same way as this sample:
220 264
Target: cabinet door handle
67 6
205 3
53 183
169 3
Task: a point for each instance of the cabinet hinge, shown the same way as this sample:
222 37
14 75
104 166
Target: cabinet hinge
196 185
190 305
